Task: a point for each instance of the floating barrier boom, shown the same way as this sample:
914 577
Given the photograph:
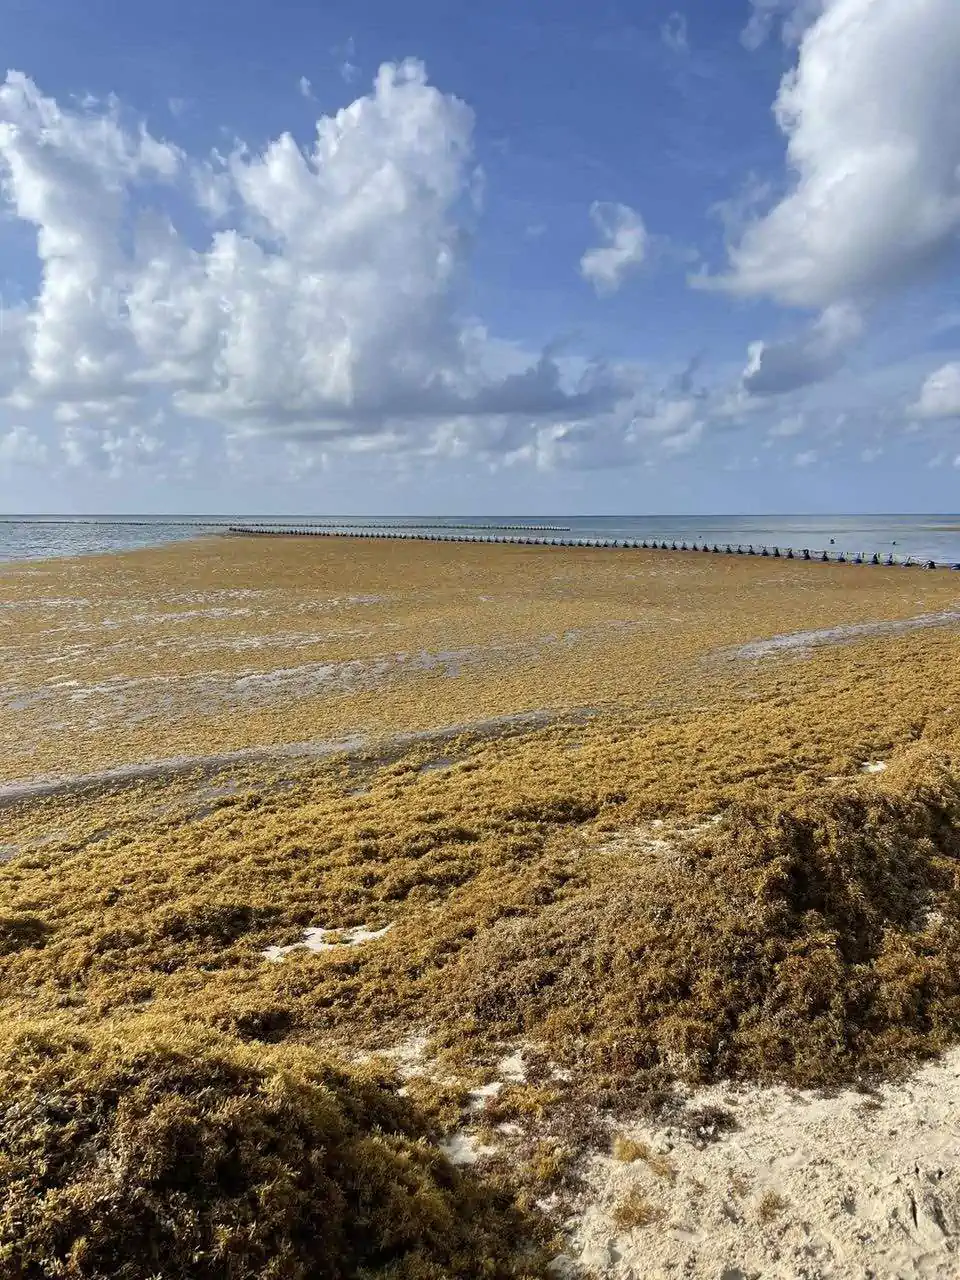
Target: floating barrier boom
493 533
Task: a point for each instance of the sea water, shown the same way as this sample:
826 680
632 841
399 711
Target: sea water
927 537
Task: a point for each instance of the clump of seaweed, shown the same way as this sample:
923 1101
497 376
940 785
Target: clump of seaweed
21 932
197 1159
771 1207
635 1210
629 1150
809 943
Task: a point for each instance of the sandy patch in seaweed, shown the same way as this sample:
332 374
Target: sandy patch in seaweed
318 940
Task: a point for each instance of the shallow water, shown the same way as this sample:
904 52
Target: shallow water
803 640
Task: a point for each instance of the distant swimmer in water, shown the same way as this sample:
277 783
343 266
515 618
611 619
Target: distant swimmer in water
832 540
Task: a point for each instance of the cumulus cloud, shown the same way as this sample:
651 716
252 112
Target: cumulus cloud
672 424
22 447
940 394
646 426
661 428
81 447
326 311
624 248
805 459
113 451
873 153
69 174
776 367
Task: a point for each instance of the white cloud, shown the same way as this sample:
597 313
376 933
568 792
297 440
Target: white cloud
940 394
579 446
947 322
131 450
114 451
794 15
303 462
737 213
674 424
645 427
21 447
327 313
787 427
685 440
674 33
871 454
776 367
873 153
499 442
80 447
666 417
305 87
349 71
212 188
624 249
805 459
68 174
14 334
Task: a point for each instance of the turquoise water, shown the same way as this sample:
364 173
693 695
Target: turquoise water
934 537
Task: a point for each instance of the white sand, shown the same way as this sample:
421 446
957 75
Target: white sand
464 1148
328 940
851 1186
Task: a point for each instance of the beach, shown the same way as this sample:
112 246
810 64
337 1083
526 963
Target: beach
628 878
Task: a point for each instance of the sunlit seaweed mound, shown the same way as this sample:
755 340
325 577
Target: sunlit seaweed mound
195 1162
813 942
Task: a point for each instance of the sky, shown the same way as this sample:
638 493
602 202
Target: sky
524 257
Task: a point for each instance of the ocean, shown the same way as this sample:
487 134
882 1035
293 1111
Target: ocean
927 537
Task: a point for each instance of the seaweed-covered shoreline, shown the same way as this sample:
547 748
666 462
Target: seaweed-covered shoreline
700 884
217 646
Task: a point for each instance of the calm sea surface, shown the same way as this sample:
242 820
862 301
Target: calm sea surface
935 537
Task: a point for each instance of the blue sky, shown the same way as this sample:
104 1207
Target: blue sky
547 257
